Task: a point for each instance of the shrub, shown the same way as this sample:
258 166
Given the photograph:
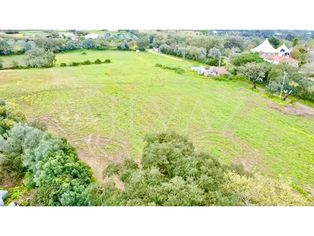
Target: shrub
97 61
83 53
39 57
87 62
262 191
107 61
63 64
244 58
171 174
74 64
176 69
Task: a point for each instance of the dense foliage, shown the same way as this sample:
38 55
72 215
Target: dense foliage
245 58
173 174
39 57
285 80
50 165
255 72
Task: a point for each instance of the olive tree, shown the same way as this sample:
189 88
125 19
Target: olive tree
39 57
255 72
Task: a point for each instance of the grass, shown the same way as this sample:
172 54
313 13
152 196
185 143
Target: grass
7 61
106 110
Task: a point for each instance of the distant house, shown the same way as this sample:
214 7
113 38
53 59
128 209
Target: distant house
91 36
283 50
281 55
69 35
210 71
277 59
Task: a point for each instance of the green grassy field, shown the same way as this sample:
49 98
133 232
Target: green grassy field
8 61
106 110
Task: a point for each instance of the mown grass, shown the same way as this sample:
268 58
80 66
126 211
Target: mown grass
107 109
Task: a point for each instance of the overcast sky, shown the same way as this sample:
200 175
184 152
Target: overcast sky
157 14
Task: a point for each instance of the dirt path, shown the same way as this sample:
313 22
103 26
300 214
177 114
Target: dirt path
296 109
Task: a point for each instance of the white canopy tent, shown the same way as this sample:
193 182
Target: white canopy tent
283 50
264 47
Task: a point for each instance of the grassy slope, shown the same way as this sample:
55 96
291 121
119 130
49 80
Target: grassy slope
105 110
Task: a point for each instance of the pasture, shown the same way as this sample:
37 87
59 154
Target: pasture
105 111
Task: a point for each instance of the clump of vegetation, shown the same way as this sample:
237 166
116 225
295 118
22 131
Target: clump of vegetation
87 62
245 58
39 57
255 72
299 53
173 174
63 64
286 80
261 190
97 61
176 69
50 164
74 64
84 53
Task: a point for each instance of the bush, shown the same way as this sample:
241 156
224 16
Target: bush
39 57
97 61
171 174
58 175
245 58
63 64
107 61
74 64
176 69
260 190
84 53
87 62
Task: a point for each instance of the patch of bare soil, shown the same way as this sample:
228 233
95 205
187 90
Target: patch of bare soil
296 109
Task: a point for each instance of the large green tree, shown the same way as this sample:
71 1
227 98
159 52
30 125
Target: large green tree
255 72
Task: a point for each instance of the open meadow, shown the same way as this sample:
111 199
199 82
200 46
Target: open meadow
106 110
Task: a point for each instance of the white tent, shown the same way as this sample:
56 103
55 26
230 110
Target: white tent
264 47
283 50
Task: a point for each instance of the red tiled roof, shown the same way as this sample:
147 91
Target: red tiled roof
279 59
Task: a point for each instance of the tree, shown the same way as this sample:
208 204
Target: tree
255 72
234 42
299 53
295 41
171 174
275 42
5 47
259 190
215 54
244 58
39 57
123 46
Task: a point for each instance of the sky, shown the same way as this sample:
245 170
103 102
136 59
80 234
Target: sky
157 14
